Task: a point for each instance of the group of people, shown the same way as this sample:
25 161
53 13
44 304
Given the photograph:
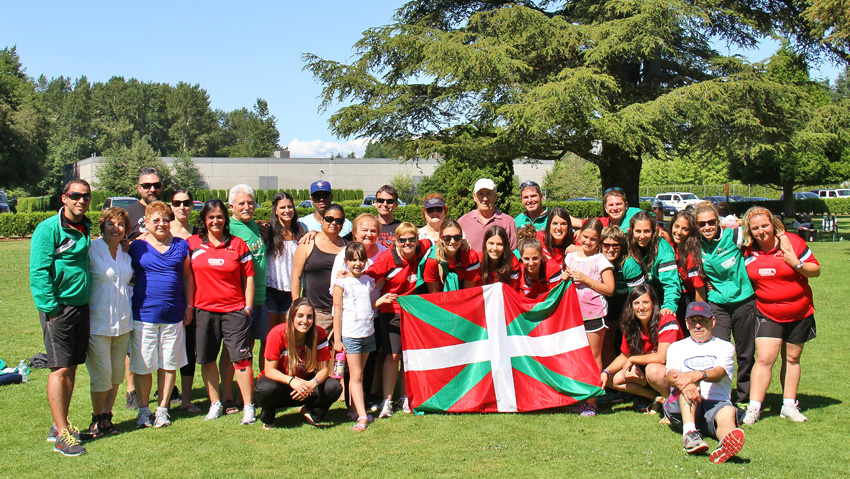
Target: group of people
167 295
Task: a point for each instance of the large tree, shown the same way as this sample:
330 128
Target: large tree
485 82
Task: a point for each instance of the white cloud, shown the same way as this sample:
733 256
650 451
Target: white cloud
325 149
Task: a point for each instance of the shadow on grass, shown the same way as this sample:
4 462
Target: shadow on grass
773 402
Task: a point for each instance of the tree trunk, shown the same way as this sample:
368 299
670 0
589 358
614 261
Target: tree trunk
788 202
618 168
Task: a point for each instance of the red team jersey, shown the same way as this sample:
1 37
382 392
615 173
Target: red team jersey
548 280
276 351
668 332
516 268
782 294
218 273
690 277
468 268
400 274
557 253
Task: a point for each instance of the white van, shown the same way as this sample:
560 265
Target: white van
678 200
836 193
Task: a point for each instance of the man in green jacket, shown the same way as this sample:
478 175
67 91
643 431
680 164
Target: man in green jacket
61 287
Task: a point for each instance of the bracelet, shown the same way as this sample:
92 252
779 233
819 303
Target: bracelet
250 309
799 266
289 383
606 372
316 381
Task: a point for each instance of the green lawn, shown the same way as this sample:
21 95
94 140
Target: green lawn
618 443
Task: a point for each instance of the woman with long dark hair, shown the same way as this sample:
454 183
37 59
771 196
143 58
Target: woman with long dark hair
452 264
538 275
558 236
652 260
498 263
281 238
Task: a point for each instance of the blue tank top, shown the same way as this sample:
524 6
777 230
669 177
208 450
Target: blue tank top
158 295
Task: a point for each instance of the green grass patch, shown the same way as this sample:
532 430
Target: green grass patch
617 443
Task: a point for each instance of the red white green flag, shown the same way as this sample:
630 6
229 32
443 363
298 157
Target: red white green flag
491 349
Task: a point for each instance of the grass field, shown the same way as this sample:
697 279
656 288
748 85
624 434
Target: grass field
618 443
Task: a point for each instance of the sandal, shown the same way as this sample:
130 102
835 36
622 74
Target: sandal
230 407
361 426
655 407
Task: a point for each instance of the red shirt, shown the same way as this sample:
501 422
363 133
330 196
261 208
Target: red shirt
218 273
276 351
400 274
668 332
557 253
691 279
782 294
468 268
546 282
516 267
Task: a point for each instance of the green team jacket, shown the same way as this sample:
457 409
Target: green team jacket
724 267
59 264
663 275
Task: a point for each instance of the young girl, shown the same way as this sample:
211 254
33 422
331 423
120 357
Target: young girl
652 260
537 275
354 329
593 276
640 368
686 245
452 264
497 263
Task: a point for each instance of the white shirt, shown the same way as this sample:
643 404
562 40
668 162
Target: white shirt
339 264
279 267
688 355
357 312
110 310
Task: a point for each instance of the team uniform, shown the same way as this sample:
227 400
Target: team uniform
662 275
513 281
250 233
539 223
219 297
556 253
271 395
668 332
463 267
784 303
550 276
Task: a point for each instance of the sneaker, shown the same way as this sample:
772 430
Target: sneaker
729 446
162 419
175 395
215 411
144 419
750 417
132 400
793 413
589 410
68 445
53 434
694 443
404 405
268 427
386 409
248 415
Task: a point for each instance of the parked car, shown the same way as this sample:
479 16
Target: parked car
305 204
646 198
802 195
4 202
751 199
679 200
370 201
669 211
118 202
197 205
736 198
834 193
583 198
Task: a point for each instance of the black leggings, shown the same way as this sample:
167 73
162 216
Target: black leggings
738 320
271 395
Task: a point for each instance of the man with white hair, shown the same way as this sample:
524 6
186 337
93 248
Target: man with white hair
478 221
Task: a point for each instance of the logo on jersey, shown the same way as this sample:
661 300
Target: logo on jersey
215 261
728 263
767 271
700 363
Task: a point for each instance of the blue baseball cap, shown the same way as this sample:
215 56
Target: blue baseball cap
320 185
698 308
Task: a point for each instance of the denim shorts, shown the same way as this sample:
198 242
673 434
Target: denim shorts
278 301
359 345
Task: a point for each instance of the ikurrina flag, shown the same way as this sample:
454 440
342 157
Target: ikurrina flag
491 349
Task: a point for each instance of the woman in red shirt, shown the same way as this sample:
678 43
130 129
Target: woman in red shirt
558 236
452 264
784 308
296 370
538 275
498 263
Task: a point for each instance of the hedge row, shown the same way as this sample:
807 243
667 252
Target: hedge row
34 204
816 206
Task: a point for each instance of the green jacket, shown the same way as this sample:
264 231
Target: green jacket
59 264
539 223
724 267
663 275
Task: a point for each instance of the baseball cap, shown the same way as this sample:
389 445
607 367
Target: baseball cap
698 308
657 204
484 184
434 203
320 185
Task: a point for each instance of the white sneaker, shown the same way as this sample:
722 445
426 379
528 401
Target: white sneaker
751 416
215 411
386 409
144 419
248 415
793 413
404 405
161 419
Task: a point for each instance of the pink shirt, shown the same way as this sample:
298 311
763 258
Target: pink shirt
593 305
474 227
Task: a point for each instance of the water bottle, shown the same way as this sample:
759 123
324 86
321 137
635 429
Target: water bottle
339 365
24 371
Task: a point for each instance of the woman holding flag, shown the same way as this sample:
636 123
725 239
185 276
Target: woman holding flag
451 264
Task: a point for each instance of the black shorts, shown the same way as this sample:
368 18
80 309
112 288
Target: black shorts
66 338
594 325
389 326
795 332
212 328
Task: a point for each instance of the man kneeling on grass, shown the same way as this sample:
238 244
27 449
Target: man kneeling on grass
700 368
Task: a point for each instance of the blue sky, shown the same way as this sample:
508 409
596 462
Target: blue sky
237 51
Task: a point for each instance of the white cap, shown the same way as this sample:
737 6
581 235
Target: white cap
484 184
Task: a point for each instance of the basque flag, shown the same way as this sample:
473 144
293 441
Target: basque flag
491 349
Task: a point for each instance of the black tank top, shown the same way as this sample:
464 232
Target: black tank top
317 277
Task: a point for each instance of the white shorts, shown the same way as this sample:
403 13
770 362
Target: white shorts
157 346
105 360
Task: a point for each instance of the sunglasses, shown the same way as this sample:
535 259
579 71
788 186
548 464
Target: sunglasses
380 201
703 224
526 184
76 196
322 195
159 221
179 203
610 245
147 186
613 188
410 240
449 238
331 219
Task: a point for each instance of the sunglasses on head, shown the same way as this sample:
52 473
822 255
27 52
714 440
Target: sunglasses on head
380 201
147 186
331 219
449 238
703 224
613 188
179 203
526 184
410 240
75 196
